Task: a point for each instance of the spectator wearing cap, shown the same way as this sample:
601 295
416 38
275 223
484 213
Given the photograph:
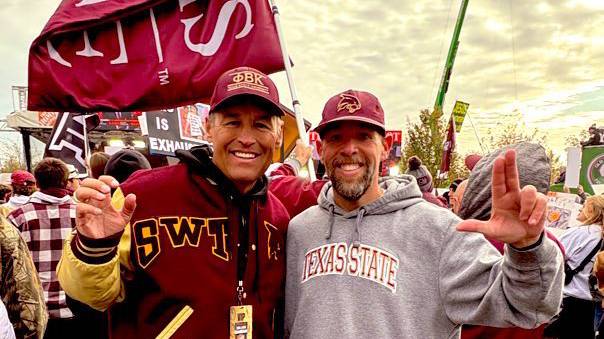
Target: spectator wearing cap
45 221
214 219
21 289
24 185
424 180
74 178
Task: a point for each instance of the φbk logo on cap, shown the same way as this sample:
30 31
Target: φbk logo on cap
353 105
246 81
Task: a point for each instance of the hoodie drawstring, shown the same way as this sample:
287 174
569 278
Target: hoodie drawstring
330 222
356 240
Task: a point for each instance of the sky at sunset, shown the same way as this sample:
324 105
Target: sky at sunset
544 59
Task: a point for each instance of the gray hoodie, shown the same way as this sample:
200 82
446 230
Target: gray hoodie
410 275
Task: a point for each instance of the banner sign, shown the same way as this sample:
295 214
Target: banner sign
175 129
459 114
107 55
47 118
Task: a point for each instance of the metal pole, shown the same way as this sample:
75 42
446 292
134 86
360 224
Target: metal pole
444 83
475 133
26 149
292 88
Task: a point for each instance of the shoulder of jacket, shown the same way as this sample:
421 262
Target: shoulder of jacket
277 208
154 175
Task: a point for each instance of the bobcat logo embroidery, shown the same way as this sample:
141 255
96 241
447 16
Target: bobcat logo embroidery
349 103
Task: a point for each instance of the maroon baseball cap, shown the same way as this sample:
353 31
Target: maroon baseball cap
246 81
353 105
20 177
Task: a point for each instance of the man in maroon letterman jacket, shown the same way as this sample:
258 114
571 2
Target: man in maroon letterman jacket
176 247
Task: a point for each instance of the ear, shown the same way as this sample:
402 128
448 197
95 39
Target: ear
209 130
280 134
387 144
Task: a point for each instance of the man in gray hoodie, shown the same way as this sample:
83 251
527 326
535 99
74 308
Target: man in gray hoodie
374 260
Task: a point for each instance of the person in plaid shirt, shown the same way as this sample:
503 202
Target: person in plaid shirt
44 223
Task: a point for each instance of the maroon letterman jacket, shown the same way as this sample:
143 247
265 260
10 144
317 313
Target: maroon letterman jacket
187 228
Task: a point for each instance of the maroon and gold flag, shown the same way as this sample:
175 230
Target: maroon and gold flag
123 55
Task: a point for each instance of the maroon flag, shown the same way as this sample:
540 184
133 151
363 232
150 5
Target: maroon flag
448 148
125 55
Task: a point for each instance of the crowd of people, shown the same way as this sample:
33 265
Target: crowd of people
217 246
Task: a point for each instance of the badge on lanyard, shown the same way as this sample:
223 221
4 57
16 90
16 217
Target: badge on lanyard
241 322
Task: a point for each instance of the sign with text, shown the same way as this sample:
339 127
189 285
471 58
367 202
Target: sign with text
459 114
397 142
395 152
169 131
108 55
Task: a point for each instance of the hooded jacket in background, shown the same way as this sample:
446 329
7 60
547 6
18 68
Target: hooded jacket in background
14 202
397 268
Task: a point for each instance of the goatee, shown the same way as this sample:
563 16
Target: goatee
355 190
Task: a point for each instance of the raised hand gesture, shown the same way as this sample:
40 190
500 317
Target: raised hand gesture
95 216
517 216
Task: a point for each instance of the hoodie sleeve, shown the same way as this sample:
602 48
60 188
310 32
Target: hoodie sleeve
478 286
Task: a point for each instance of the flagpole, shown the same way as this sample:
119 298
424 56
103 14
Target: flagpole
86 145
475 132
292 88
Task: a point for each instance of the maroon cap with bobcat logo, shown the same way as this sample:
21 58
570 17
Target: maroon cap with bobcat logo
246 81
353 105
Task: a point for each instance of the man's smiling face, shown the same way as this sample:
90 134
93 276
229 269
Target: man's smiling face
244 137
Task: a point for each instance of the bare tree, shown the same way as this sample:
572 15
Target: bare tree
12 156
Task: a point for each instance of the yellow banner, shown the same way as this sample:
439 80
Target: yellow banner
459 113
